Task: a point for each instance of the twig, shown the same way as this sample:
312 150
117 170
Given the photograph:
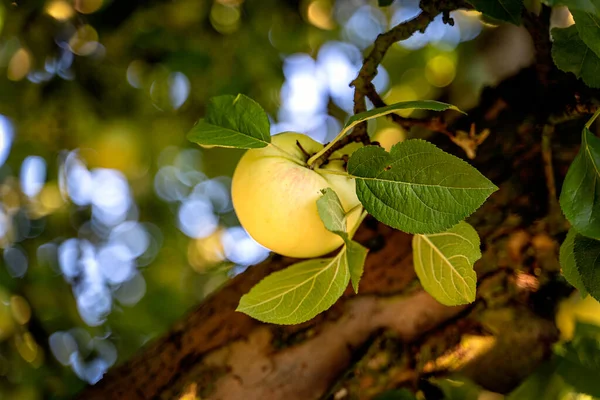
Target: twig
381 45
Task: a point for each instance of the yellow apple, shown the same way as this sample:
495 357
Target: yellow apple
275 195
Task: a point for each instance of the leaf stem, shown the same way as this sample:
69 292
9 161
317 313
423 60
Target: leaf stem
591 121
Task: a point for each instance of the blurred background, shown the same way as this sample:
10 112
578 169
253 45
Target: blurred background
112 225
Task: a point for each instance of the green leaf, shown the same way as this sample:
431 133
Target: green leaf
586 14
417 188
579 363
580 195
332 213
385 3
232 121
504 10
357 256
378 112
543 384
333 216
571 54
587 259
431 105
444 263
568 265
299 292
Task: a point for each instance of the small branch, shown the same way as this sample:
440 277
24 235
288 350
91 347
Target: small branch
385 40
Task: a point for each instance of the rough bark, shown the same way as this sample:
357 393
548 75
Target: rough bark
392 334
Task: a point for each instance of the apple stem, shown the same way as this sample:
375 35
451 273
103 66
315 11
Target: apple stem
302 149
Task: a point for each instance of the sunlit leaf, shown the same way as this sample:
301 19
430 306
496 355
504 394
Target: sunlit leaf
444 263
299 292
580 195
417 187
357 255
232 121
333 216
431 105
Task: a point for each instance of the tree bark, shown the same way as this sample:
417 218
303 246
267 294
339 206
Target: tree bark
392 333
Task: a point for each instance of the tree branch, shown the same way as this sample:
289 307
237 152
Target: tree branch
381 45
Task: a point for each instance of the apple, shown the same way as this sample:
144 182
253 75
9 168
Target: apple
275 195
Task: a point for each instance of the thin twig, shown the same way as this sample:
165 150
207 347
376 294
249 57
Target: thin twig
368 70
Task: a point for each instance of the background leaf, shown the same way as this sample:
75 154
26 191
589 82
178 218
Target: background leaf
385 3
587 258
586 14
504 10
444 263
417 187
580 195
571 54
568 264
232 121
299 292
333 216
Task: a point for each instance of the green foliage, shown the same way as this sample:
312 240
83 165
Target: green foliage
580 195
417 187
431 105
568 264
357 255
587 260
332 213
586 14
444 263
356 119
571 54
384 3
299 292
232 121
579 360
503 10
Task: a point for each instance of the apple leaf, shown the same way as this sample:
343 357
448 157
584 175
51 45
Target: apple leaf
571 54
299 292
232 121
378 112
503 10
444 263
431 105
333 216
417 188
586 14
587 260
357 255
332 213
568 264
580 194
